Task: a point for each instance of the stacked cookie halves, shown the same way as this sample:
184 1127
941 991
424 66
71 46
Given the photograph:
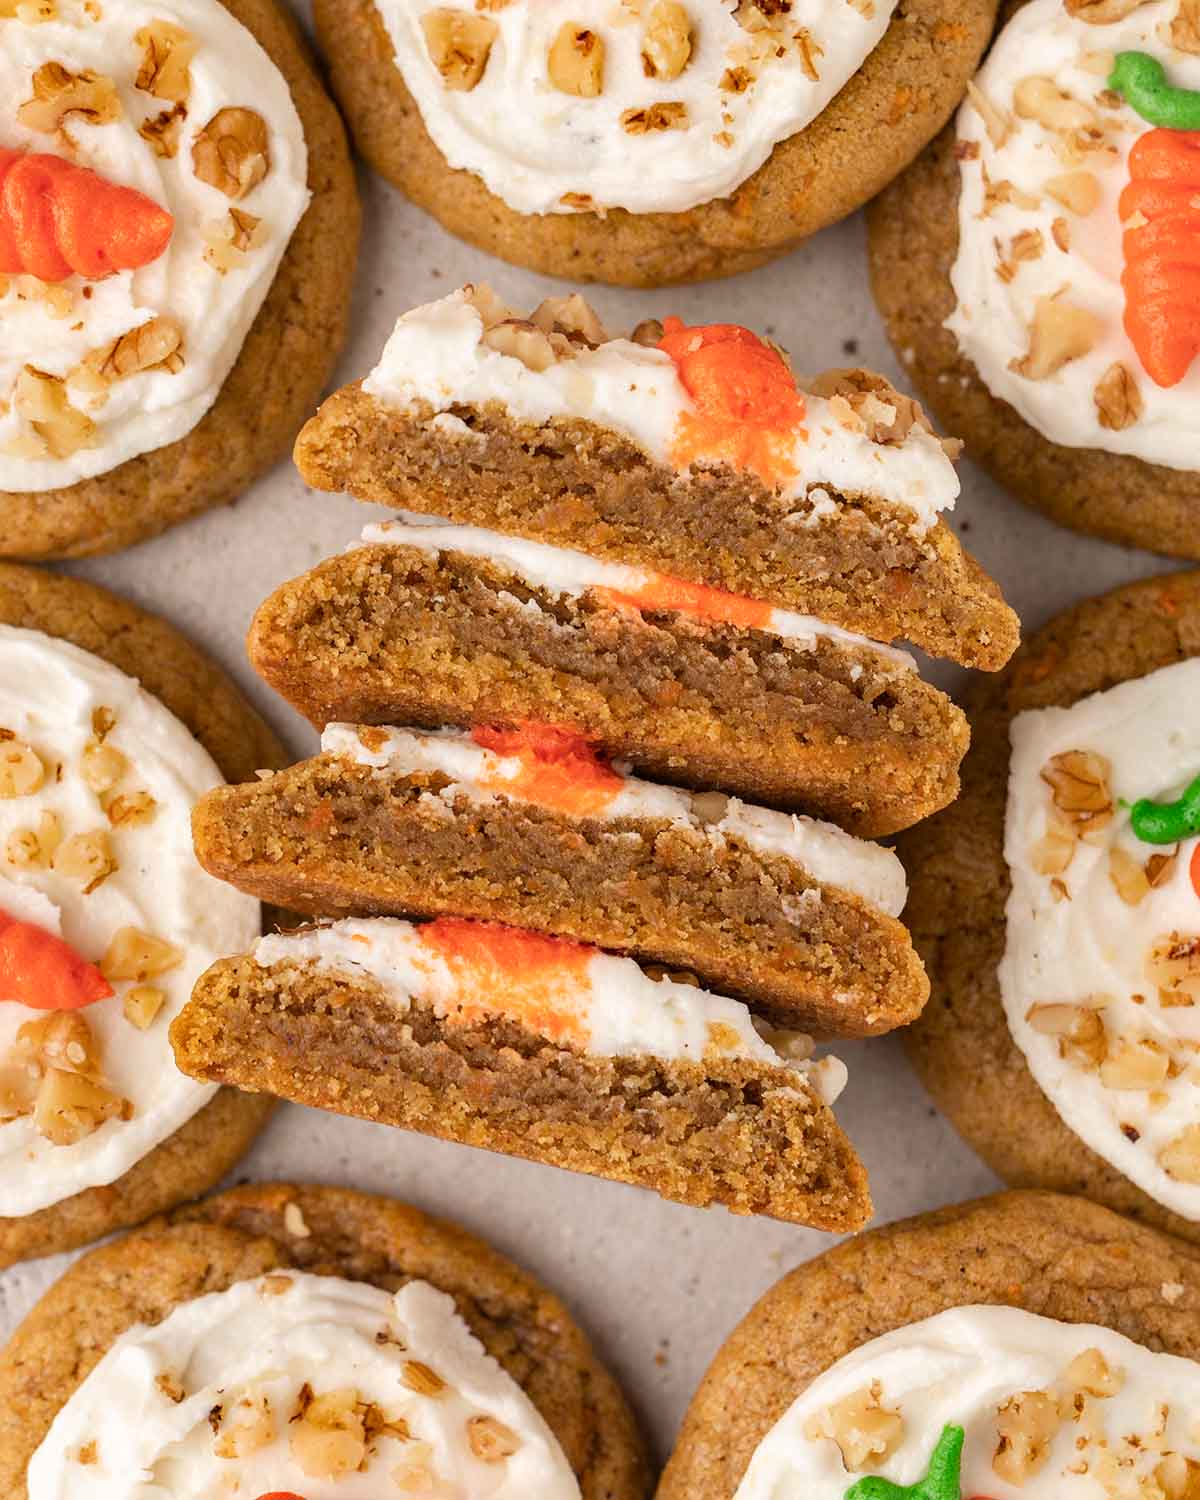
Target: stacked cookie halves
648 649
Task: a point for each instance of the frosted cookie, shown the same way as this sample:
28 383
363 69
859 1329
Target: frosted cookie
106 918
539 1047
1024 1345
452 625
645 143
1057 905
313 1338
174 187
528 825
1037 267
692 451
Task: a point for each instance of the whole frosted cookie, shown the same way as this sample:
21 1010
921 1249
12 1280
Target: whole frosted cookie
178 228
647 143
111 726
1036 267
309 1341
1057 906
1025 1345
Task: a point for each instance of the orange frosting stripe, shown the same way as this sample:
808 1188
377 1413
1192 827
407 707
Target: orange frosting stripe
747 405
662 592
57 219
541 982
559 768
1161 279
40 970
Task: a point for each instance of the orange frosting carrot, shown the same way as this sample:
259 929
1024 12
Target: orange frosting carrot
540 982
1194 869
40 970
1160 206
558 766
663 592
57 219
747 406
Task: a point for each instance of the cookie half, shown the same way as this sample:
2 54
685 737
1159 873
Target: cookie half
994 1320
539 1047
515 1370
134 401
115 818
436 625
698 143
1001 259
689 451
1122 901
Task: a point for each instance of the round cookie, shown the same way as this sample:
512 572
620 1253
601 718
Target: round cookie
254 1230
962 1046
913 237
206 701
1060 1258
873 127
283 364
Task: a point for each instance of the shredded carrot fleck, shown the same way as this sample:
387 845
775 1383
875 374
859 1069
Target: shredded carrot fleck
747 406
559 768
540 982
1161 278
40 970
57 219
662 592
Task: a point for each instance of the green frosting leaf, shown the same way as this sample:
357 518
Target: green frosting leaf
1143 81
1167 822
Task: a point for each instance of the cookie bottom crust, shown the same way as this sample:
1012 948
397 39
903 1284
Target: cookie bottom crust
393 635
731 1131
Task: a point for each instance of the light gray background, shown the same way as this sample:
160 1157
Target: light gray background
657 1286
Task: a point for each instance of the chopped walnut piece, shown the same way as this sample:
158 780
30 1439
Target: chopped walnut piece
58 94
21 769
672 115
1173 962
1042 100
130 809
1128 876
1181 1158
1054 851
167 52
227 240
490 1440
1080 1031
420 1378
573 317
1160 868
1092 1374
1184 30
1080 790
247 1426
71 1107
996 121
62 1039
171 1387
1060 333
1118 401
649 333
521 340
42 400
29 12
1177 1477
134 954
87 857
102 766
1002 191
666 41
865 1432
879 410
33 848
153 345
1101 12
19 1084
1135 1063
327 1438
575 61
459 43
736 80
1026 1425
231 152
142 1005
161 131
1078 191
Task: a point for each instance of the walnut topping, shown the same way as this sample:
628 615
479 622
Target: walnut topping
490 1440
1135 1063
573 318
420 1378
154 345
62 1039
87 857
648 333
521 340
142 1004
1101 12
666 41
161 131
1054 851
130 809
134 954
21 769
865 1432
42 400
671 115
1042 100
33 848
70 1107
491 308
736 80
102 766
167 52
1128 876
245 1427
171 1387
327 1437
1026 1425
231 152
227 240
1078 191
575 61
1060 333
29 12
1079 789
1173 963
58 94
996 121
1184 30
1118 401
1181 1158
1092 1374
1080 1030
868 402
59 1067
997 193
1028 245
459 43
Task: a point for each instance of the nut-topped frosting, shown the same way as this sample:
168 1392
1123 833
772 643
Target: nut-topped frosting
988 1401
1075 217
97 784
168 143
1101 973
312 1386
647 105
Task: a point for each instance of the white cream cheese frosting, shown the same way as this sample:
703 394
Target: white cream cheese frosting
1099 979
562 571
572 994
436 356
50 696
232 1394
1113 1412
824 851
745 85
1021 241
55 329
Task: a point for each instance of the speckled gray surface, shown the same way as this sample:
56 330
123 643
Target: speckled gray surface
657 1286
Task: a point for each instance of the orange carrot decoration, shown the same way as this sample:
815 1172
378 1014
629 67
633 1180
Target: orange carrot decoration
57 219
558 766
40 970
747 406
1194 869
